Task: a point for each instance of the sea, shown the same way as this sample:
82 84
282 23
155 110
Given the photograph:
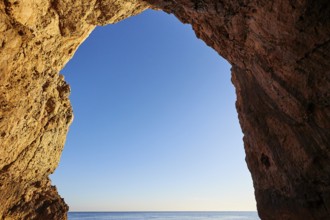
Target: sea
163 216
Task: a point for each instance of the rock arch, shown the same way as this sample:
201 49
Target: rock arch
279 51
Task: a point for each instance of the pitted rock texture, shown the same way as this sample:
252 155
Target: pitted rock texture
37 38
280 56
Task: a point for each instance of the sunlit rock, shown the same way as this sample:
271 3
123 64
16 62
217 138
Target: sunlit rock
279 51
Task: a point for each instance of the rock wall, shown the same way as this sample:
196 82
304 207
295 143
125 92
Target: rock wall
37 38
280 56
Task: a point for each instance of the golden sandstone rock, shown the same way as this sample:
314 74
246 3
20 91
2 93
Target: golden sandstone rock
38 38
280 56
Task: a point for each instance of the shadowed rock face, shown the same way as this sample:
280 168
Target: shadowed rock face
280 56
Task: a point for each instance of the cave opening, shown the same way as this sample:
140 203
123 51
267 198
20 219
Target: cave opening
155 124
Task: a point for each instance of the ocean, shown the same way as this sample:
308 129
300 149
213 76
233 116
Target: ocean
163 216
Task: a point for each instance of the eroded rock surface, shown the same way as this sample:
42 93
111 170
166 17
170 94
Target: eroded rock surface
37 38
280 56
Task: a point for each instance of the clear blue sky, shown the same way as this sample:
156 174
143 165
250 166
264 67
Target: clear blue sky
155 123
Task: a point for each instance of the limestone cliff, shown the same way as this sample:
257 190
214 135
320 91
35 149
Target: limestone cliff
37 38
280 56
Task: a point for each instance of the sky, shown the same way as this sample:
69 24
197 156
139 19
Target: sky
155 126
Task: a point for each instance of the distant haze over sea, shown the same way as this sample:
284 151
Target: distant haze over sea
164 215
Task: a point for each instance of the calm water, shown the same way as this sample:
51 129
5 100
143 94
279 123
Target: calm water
163 216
